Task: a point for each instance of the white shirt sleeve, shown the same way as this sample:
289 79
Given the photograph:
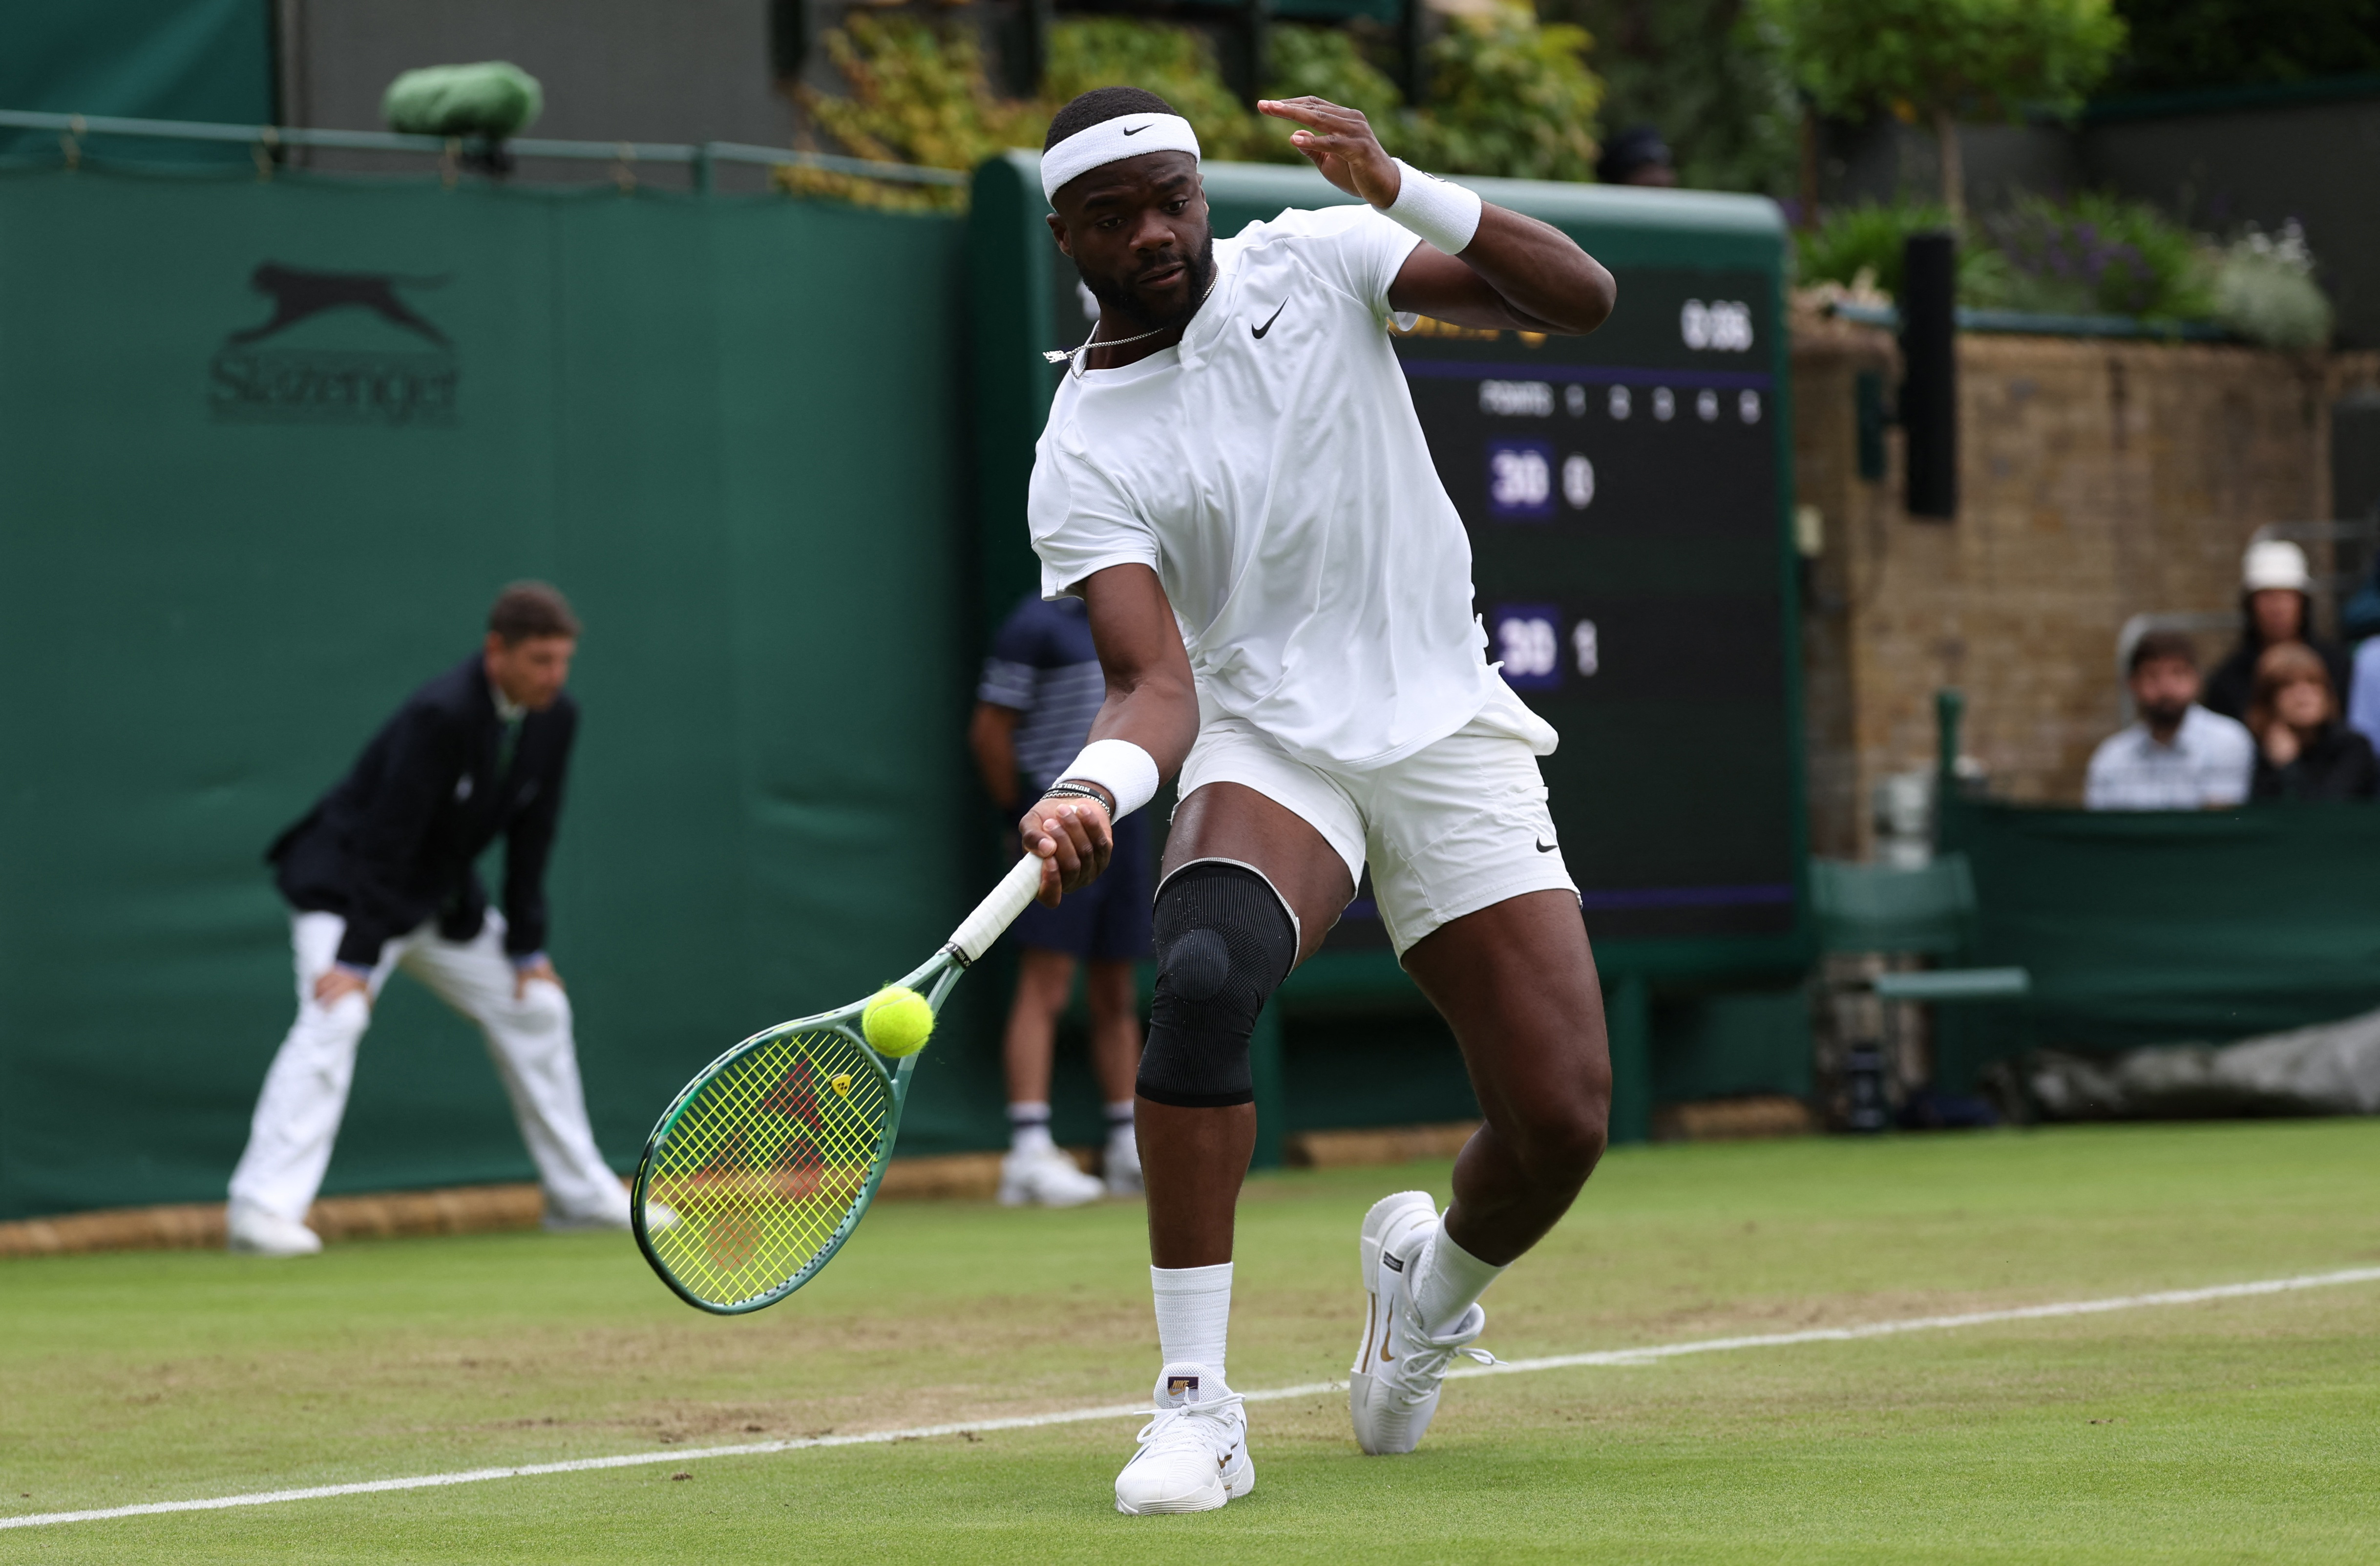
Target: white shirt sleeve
1357 250
1081 521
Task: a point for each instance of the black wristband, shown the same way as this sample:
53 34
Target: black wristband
1080 791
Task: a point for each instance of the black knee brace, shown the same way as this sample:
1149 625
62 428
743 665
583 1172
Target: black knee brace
1224 942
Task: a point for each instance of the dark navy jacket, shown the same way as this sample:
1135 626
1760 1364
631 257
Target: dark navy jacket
394 844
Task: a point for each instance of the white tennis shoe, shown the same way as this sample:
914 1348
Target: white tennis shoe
1045 1176
251 1230
1400 1369
1193 1454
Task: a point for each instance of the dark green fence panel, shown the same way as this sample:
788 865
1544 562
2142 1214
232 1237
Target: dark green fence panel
2161 927
725 428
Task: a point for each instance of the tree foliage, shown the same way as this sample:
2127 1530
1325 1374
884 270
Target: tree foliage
1509 97
1709 75
1936 61
2178 44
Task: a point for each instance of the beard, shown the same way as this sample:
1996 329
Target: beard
1120 305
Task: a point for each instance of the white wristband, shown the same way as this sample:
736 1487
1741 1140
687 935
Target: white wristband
1123 769
1447 215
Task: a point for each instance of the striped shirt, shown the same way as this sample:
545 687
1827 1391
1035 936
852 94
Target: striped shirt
1043 666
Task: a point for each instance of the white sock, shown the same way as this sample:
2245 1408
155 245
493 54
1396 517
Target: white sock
1028 1127
1194 1313
1448 1281
1120 1121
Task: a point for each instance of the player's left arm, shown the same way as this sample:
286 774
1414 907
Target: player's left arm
1516 272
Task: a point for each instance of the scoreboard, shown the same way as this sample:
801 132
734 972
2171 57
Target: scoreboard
1627 497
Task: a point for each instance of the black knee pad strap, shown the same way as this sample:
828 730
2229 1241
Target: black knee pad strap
1224 944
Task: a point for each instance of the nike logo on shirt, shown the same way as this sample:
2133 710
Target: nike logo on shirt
1260 330
1548 847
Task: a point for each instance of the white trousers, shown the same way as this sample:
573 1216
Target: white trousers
529 1038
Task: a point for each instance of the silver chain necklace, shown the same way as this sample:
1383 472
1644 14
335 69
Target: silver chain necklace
1072 357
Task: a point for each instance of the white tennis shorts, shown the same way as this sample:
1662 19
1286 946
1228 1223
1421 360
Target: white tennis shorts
1458 826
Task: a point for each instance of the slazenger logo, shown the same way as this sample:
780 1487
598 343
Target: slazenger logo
343 347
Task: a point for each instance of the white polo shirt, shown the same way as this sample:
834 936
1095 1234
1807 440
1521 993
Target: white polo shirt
2210 763
1272 471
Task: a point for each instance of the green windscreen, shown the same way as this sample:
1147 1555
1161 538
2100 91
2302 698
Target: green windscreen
267 451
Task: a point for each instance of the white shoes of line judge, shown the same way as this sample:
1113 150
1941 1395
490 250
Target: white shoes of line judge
251 1230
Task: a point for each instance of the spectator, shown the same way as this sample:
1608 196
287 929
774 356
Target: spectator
1041 689
2178 756
2275 605
2363 692
2302 751
1636 156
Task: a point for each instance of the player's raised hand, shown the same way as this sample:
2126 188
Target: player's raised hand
1341 144
1073 839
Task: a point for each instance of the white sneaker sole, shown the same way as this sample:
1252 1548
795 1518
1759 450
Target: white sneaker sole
1391 1216
268 1248
1029 1194
1228 1485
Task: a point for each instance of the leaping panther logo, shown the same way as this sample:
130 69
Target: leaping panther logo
299 295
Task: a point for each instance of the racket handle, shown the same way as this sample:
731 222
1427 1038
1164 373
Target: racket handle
996 912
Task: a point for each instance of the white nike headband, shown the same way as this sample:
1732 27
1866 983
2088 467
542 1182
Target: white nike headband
1111 141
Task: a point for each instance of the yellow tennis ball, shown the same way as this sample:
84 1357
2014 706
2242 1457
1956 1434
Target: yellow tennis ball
897 1021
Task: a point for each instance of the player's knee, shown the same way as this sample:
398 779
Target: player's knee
1224 942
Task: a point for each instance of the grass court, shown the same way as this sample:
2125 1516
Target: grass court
2230 1431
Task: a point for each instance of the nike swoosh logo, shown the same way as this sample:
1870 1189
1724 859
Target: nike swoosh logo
1548 847
1134 129
1260 330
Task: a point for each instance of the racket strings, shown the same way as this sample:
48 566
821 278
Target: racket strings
765 1163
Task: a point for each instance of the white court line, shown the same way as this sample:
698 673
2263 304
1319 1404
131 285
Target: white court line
1273 1395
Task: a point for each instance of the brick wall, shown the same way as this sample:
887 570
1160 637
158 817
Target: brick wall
2098 479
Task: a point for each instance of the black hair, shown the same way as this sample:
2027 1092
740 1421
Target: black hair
2157 645
1099 105
1639 146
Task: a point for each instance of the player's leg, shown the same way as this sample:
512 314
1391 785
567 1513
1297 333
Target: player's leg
1470 881
1119 942
1248 887
1517 983
1111 991
1036 1169
303 1099
530 1039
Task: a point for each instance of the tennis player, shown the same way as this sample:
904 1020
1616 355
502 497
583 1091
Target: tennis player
379 876
1233 480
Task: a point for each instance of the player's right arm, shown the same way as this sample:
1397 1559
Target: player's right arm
1151 702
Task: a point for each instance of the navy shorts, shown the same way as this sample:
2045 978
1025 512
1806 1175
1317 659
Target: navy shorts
1107 920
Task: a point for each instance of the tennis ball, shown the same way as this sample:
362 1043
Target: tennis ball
897 1021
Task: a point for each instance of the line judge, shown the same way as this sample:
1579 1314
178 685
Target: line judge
379 876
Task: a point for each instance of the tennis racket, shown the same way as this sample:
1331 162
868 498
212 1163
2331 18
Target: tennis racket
771 1156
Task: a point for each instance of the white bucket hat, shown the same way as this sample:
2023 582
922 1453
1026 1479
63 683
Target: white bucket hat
2275 563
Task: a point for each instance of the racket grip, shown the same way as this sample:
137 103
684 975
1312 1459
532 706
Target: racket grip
996 912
